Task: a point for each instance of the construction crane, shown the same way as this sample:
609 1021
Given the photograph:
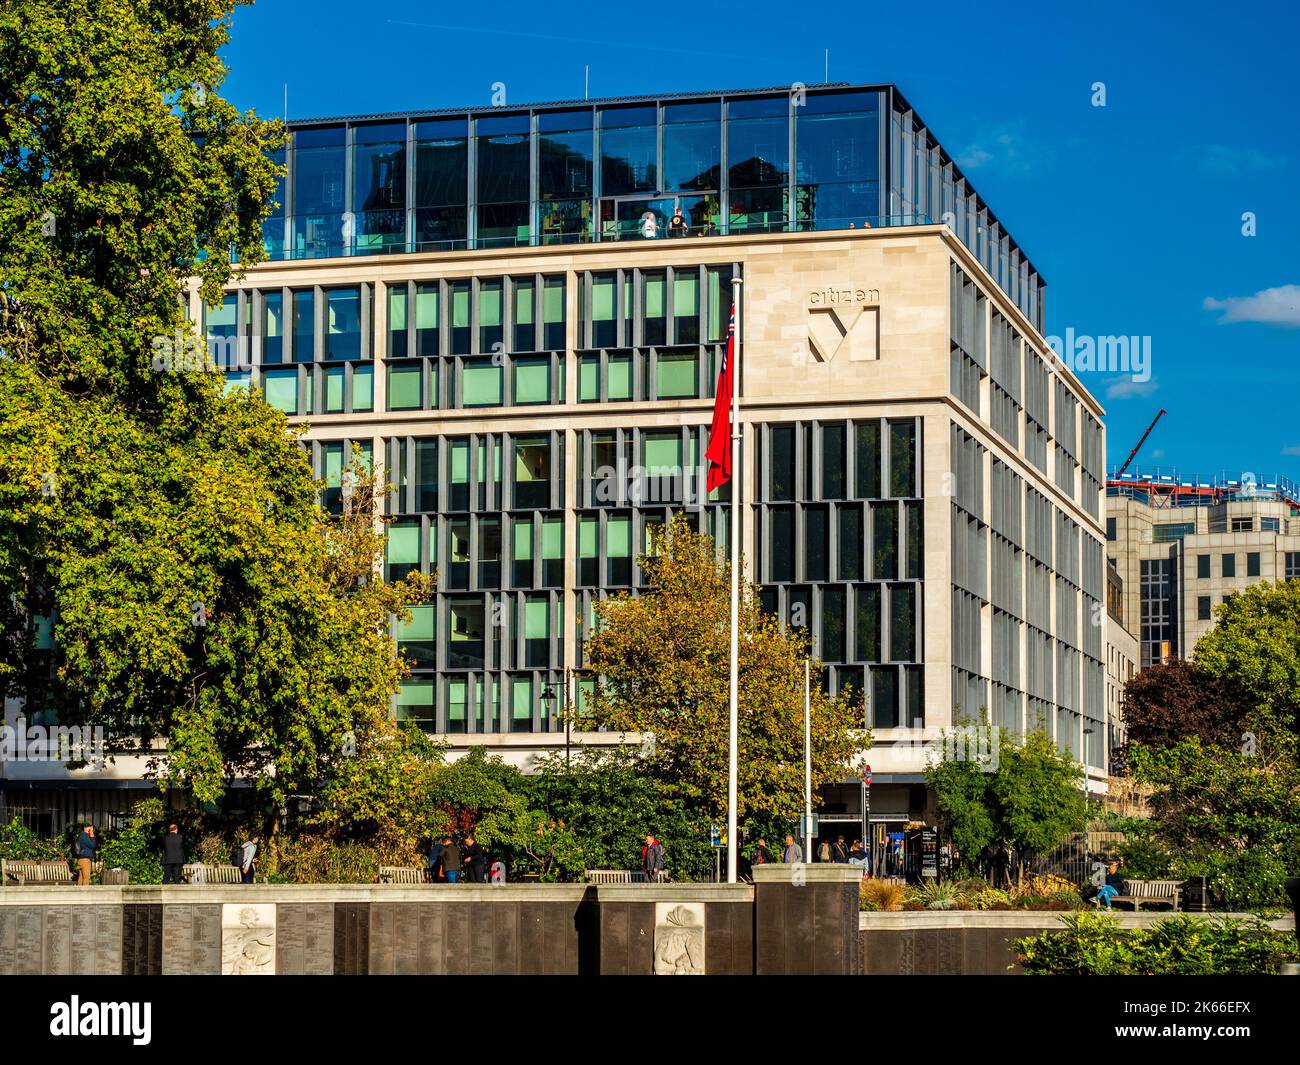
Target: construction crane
1133 454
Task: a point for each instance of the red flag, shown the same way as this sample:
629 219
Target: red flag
718 454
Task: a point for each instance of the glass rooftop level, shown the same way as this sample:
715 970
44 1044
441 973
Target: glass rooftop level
778 160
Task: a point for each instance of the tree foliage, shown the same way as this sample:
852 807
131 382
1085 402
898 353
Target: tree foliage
165 533
1222 757
1178 700
1027 802
663 657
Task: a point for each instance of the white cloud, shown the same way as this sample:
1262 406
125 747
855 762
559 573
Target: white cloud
1127 388
1293 450
1222 159
1003 148
1273 306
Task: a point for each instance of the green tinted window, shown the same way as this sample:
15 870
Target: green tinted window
404 387
676 373
620 377
553 539
481 385
587 532
589 379
419 628
282 390
618 537
532 380
404 545
363 388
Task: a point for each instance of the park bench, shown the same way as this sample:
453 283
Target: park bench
211 874
615 876
27 872
1147 892
401 874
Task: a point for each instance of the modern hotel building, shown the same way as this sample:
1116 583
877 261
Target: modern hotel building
495 307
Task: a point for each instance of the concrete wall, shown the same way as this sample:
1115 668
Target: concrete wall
967 943
778 925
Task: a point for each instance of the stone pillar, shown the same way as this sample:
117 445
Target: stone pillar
806 919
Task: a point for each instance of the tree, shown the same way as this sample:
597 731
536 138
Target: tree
610 801
1225 797
1255 647
1026 801
663 658
165 533
1164 704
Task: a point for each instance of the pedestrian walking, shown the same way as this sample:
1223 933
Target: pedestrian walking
248 860
173 854
824 851
476 861
652 859
762 856
793 852
84 852
435 861
450 860
839 852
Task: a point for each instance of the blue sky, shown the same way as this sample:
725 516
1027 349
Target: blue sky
1133 212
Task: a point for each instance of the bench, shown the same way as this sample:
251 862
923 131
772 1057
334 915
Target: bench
1147 892
401 874
615 876
211 874
28 872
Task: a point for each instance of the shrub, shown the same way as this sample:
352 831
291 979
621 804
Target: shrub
936 895
888 895
1094 944
137 847
19 844
989 899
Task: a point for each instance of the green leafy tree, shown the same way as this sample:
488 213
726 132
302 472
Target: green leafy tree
1000 812
610 801
165 534
1225 800
663 659
1255 647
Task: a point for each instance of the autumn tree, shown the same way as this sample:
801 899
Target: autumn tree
1180 699
166 570
663 661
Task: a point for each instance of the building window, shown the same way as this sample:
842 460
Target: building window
1169 532
1293 565
1243 524
1202 608
1203 567
1110 529
1229 565
1252 564
1270 525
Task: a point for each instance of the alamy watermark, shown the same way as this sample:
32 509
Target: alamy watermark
20 742
1082 354
187 352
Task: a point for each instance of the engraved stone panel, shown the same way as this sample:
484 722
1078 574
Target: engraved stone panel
178 934
58 941
83 930
305 939
8 929
248 939
27 940
107 938
679 938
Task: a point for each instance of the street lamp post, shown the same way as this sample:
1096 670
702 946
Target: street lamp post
549 698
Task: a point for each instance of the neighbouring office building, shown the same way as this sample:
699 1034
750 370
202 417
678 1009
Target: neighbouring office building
1182 545
497 308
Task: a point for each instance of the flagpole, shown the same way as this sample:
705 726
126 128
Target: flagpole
733 708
